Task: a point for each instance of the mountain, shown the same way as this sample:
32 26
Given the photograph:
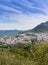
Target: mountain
43 27
9 32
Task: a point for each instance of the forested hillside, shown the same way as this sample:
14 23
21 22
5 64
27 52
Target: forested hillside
43 27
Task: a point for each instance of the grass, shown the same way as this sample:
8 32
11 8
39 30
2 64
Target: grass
28 54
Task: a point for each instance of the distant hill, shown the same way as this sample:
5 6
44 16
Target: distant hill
43 27
9 32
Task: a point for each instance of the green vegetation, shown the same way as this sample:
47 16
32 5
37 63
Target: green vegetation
27 54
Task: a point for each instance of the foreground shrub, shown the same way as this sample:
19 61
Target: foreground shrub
28 54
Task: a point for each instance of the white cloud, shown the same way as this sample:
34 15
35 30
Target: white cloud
25 21
9 8
22 20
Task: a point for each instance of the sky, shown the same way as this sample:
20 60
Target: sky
22 14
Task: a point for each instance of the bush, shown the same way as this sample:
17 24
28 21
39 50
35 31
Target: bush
28 54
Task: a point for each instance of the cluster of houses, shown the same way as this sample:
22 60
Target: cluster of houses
24 38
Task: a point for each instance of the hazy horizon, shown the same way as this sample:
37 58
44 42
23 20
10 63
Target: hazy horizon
22 14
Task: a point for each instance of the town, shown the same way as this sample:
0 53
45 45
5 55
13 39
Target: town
24 38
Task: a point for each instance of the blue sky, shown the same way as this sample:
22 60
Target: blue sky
22 14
